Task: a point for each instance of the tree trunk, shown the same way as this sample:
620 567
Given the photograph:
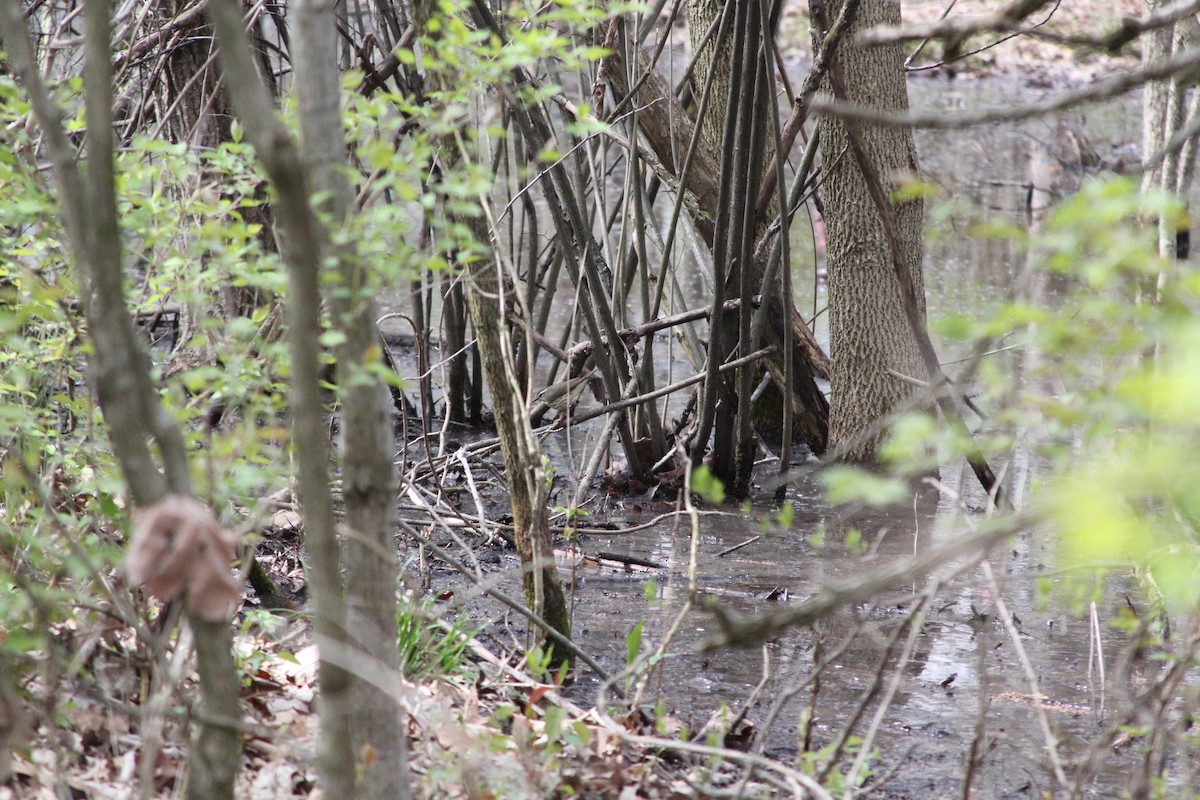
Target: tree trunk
527 484
368 476
712 49
665 125
193 108
737 77
1157 46
1165 111
870 337
527 481
303 241
714 55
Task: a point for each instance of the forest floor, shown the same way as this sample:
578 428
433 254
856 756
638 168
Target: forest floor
485 722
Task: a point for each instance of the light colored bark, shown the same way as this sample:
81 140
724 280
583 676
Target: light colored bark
1155 47
869 333
714 55
301 238
1165 112
368 476
711 51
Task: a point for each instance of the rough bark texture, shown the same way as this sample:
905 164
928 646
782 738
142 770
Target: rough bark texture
715 56
711 56
1156 47
193 108
192 105
368 477
869 334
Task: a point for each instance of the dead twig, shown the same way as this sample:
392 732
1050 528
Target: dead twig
738 546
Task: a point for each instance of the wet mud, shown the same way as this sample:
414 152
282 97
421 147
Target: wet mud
970 697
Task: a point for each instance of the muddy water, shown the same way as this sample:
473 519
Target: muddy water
965 680
964 667
961 657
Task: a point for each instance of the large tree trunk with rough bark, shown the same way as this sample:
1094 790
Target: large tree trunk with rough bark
191 106
871 341
1165 111
711 47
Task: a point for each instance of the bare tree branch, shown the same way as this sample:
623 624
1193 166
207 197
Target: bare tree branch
1101 90
957 556
1000 22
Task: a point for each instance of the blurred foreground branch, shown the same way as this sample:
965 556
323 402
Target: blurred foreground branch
956 556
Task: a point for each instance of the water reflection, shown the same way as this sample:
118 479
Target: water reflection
963 659
964 664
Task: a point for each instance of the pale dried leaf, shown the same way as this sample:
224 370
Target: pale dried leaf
179 549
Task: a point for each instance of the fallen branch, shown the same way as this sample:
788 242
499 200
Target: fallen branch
737 630
738 546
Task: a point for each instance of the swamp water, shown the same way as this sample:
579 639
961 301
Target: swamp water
964 686
962 657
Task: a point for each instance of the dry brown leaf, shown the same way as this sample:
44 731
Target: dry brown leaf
179 549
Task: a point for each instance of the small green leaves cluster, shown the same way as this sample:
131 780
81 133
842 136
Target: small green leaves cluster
192 238
815 762
429 649
55 493
707 485
433 152
1098 379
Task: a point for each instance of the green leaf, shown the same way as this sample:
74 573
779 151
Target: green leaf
705 484
331 339
633 644
846 484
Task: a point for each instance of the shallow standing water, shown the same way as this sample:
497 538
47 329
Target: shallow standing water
961 658
964 666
